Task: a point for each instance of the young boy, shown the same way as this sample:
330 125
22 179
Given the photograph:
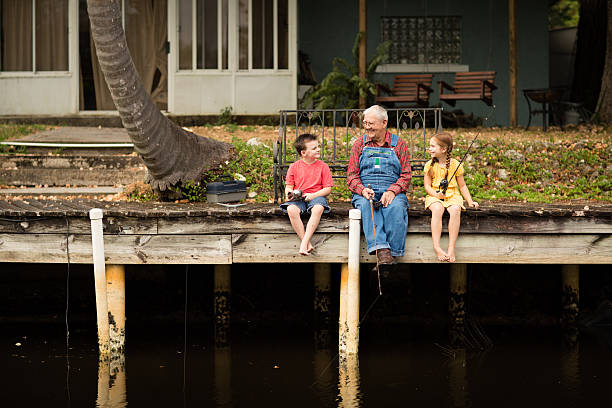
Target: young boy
314 179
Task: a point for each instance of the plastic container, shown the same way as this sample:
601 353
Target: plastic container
226 191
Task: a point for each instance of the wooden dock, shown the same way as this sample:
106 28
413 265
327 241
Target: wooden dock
48 231
62 231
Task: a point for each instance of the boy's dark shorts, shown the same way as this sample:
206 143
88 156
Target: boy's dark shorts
307 206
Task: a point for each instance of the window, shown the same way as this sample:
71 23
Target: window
34 35
210 18
423 40
262 27
257 38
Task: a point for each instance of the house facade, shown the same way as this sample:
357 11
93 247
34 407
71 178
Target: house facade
200 57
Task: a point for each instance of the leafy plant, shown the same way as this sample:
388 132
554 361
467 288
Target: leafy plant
193 192
342 87
254 164
226 117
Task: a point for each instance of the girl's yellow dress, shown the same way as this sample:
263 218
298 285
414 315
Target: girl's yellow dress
453 196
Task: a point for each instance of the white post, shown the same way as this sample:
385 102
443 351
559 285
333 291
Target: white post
349 287
97 244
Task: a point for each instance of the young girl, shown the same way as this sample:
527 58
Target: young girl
441 167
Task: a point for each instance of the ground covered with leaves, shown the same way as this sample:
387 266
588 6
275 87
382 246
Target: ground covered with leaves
503 164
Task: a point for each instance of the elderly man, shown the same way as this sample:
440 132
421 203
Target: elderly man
379 170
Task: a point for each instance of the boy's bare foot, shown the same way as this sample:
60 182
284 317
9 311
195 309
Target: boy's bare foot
442 256
451 256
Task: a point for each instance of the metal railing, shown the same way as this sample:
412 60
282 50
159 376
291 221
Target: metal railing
337 129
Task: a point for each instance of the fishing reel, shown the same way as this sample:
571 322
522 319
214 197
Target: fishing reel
295 195
376 204
443 186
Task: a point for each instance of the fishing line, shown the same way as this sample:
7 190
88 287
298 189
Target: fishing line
67 308
185 338
375 246
444 183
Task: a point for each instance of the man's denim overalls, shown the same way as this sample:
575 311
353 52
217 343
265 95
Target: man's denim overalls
380 167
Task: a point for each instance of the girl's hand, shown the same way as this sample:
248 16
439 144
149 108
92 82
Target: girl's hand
474 204
441 195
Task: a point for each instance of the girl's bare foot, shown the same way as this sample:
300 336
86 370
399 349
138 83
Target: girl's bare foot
442 256
306 248
451 256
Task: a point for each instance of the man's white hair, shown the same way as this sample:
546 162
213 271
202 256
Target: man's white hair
381 113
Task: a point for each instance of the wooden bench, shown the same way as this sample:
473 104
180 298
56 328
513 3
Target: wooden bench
408 88
469 86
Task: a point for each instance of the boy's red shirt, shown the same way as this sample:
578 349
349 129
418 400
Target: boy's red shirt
309 178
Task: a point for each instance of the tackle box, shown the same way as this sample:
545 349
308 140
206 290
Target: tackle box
225 191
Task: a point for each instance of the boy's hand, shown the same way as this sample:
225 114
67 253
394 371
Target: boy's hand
307 197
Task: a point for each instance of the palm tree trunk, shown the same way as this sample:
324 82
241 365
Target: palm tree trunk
170 153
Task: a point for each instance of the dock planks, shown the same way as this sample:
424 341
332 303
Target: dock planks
36 230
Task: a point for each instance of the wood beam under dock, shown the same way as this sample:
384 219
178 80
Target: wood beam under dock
36 231
277 248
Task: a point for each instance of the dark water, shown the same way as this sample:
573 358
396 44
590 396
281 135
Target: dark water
279 366
272 360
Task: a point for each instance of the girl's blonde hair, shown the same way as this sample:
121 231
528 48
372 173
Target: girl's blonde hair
445 141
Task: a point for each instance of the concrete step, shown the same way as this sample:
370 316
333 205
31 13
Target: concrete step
62 170
60 191
73 141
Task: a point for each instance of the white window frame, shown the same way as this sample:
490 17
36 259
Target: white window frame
233 47
274 40
194 38
71 46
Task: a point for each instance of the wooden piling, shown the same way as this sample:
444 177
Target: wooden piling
115 291
222 304
456 303
570 295
349 289
97 242
322 300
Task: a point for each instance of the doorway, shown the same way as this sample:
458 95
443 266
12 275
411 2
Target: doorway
145 23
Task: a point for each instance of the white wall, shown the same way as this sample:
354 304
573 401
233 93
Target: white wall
37 94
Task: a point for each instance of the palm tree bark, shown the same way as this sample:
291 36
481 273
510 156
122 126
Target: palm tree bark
171 154
604 105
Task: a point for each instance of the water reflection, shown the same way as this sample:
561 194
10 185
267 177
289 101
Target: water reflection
112 382
457 379
264 368
349 392
223 376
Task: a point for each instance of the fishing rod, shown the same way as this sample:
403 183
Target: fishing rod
375 244
445 182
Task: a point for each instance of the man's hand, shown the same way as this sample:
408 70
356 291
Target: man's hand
367 193
387 197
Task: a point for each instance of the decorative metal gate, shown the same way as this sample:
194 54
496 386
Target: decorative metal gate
337 129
